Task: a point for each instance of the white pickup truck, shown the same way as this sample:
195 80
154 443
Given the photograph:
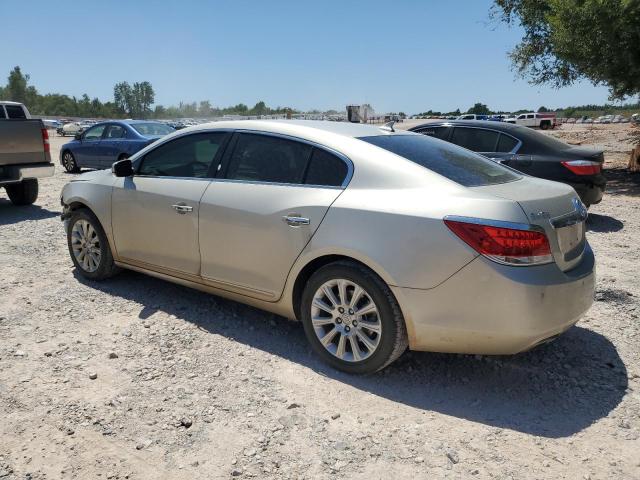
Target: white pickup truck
543 121
24 153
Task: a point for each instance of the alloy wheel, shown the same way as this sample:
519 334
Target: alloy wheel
346 320
85 245
68 161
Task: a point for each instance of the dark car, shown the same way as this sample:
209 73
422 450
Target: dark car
107 142
528 151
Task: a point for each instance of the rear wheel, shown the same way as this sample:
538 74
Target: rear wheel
89 247
23 193
352 319
545 125
69 162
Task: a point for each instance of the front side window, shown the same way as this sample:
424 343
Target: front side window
15 112
457 164
189 156
115 131
264 158
476 139
326 169
94 133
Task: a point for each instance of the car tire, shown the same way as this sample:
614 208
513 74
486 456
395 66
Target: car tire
69 162
88 246
23 193
378 337
544 125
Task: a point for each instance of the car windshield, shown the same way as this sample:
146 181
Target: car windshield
152 128
455 163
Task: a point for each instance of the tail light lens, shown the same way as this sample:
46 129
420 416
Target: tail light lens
583 167
45 140
509 246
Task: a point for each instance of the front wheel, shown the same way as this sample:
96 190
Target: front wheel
352 319
89 247
23 193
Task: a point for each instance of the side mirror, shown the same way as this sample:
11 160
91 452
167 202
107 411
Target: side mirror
78 136
123 168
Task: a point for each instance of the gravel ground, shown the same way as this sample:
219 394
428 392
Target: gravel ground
142 379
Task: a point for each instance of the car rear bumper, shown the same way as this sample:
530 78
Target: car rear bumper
17 173
488 308
590 193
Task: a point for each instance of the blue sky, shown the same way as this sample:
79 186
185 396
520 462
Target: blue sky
398 55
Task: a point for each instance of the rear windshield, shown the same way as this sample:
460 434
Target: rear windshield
533 141
152 129
458 164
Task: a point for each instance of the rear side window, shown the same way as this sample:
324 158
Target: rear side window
506 143
190 156
15 111
437 132
476 139
115 131
326 169
457 164
264 158
2 114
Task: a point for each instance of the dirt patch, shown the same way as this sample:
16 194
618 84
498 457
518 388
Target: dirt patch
142 379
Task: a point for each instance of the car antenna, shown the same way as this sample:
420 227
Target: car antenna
388 126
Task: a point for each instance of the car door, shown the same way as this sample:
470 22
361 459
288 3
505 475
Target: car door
111 145
258 216
155 212
87 152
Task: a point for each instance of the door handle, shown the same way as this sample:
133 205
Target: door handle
182 208
295 221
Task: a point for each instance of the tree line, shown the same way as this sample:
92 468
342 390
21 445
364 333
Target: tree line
129 101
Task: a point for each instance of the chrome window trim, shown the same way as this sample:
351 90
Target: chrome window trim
341 156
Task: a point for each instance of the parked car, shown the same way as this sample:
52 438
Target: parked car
376 239
543 121
24 153
571 120
107 142
528 151
69 128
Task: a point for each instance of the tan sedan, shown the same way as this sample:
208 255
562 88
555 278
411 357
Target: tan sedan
375 239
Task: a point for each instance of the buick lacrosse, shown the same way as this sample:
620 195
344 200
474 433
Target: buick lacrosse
374 239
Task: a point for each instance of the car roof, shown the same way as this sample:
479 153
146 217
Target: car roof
346 129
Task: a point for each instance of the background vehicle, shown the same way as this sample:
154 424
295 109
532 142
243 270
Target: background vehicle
543 121
24 153
13 111
470 116
528 151
104 143
70 128
202 206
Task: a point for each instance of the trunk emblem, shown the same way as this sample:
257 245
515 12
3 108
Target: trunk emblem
539 215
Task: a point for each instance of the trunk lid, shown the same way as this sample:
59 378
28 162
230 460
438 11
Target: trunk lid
585 153
556 208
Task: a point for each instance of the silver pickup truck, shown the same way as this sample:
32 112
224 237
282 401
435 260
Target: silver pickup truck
24 153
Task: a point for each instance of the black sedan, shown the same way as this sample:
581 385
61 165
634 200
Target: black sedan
528 151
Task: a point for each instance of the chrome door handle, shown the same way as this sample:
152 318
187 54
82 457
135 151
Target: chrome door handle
294 221
182 209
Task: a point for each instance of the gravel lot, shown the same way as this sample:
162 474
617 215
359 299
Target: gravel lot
142 379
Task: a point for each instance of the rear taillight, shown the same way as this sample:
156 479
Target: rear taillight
511 246
583 167
45 140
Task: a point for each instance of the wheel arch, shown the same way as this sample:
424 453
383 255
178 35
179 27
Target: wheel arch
307 268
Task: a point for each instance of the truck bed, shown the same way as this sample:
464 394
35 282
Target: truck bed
21 142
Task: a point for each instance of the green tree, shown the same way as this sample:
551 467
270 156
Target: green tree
569 40
16 89
543 109
123 97
479 109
